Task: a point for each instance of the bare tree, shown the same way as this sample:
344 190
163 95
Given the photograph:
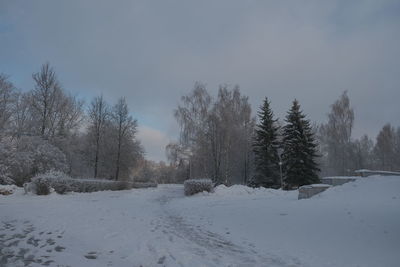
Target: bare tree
363 153
98 116
44 95
126 128
21 120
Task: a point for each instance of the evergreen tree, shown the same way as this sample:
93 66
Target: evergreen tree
265 149
299 150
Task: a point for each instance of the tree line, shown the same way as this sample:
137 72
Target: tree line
221 138
47 128
342 154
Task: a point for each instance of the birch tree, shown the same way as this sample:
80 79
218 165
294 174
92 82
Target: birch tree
336 135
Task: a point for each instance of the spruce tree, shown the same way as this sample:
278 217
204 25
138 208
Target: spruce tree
265 149
299 150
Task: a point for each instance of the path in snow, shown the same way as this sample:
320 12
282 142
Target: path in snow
205 243
127 228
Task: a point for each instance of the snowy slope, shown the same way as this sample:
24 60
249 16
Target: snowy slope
356 224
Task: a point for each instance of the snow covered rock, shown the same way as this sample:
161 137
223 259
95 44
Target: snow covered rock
307 191
6 190
194 186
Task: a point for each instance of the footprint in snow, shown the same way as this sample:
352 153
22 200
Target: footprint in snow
91 255
59 248
161 260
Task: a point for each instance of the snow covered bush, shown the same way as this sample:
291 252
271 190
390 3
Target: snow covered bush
30 188
5 180
42 186
57 181
5 176
194 186
27 156
62 183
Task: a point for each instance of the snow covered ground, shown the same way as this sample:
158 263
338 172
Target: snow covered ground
356 224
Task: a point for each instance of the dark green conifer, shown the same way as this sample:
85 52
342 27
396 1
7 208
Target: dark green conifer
299 150
265 148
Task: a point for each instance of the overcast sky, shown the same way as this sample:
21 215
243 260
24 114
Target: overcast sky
152 52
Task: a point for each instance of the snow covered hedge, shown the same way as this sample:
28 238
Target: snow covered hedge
62 183
194 186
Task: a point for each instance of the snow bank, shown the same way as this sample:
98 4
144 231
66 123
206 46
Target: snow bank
355 224
194 186
223 190
7 189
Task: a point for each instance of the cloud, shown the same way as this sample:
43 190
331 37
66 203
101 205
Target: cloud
154 142
153 52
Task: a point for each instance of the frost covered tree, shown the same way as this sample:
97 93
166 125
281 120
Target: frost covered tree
265 147
397 150
216 134
7 99
232 127
384 149
27 156
49 119
336 136
362 153
299 150
193 117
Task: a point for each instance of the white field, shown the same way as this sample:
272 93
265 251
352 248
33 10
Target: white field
356 224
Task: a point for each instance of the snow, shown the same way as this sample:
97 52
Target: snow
355 224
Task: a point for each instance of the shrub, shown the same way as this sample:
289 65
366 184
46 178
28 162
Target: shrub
27 156
62 183
30 188
5 175
42 186
4 180
194 186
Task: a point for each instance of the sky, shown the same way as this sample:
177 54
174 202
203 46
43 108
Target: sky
152 52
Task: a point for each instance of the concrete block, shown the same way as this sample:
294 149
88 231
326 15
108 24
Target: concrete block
307 191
